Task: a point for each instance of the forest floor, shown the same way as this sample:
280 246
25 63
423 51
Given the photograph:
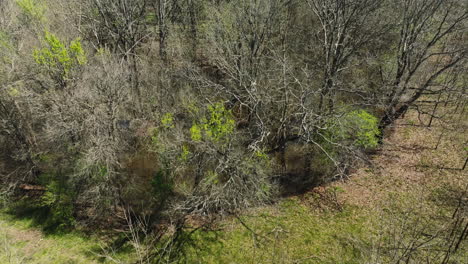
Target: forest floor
411 186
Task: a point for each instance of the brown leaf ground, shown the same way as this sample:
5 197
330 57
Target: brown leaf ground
411 160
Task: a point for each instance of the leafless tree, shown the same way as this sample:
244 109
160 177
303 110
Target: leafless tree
423 26
120 26
344 29
163 9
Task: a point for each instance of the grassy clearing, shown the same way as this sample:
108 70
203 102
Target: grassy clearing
21 242
288 233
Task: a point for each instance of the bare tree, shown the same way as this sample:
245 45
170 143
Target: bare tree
164 9
120 26
243 37
344 29
423 26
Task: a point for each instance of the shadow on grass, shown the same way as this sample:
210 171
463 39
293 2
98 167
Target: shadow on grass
102 253
76 243
38 216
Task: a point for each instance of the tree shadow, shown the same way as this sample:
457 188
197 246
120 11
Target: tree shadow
40 217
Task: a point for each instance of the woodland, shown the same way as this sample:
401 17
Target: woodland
149 123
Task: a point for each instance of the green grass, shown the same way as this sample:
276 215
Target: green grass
21 242
287 233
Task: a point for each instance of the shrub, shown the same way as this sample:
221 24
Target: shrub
196 132
58 58
217 126
220 123
161 184
58 201
359 127
242 181
167 121
60 204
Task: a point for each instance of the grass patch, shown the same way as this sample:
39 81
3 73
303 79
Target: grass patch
289 233
21 242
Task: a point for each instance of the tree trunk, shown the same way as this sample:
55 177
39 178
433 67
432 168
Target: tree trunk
390 117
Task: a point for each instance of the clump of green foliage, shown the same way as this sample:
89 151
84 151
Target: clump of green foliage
32 8
220 123
58 202
167 121
216 127
185 153
161 184
59 58
60 205
196 132
360 127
